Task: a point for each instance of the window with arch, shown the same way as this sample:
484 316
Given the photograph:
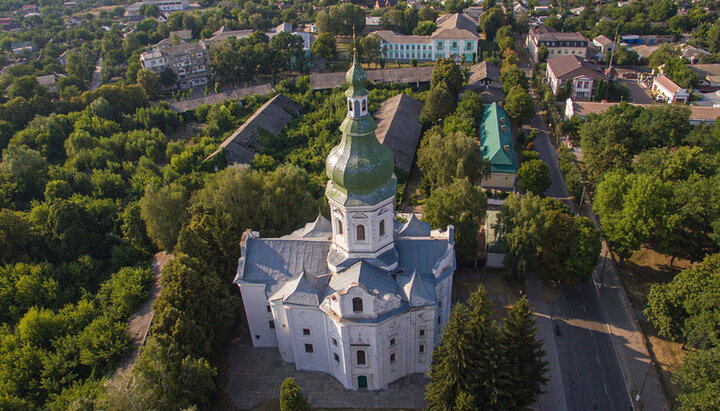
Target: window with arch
360 233
361 357
349 105
339 227
382 228
364 105
357 305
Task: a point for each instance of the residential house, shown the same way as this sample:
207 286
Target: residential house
381 4
648 40
666 90
581 109
50 81
62 58
484 75
22 47
542 10
495 248
73 22
456 37
520 8
189 62
474 11
223 34
359 297
496 145
557 44
272 117
398 128
581 74
603 43
163 5
708 74
692 54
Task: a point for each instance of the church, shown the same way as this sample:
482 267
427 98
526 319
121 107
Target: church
362 296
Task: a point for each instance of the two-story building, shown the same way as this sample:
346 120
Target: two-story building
665 89
582 74
557 44
165 6
189 62
456 37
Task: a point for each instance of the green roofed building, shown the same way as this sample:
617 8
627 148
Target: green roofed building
496 145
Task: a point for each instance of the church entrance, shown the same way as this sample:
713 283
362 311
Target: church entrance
362 381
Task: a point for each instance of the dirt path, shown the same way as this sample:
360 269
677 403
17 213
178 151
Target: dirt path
139 323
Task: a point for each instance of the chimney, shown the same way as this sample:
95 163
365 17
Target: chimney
506 148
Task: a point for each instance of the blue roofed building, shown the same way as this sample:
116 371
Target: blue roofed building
496 145
359 296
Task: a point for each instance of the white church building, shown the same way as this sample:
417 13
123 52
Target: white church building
361 297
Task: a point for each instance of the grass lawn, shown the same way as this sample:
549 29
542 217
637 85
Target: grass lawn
638 274
502 295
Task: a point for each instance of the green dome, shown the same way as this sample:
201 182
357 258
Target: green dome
356 78
360 169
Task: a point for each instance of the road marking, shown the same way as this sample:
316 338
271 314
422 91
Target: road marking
605 386
597 358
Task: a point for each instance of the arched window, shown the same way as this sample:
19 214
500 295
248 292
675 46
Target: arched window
360 233
357 305
364 105
361 357
382 228
339 227
349 105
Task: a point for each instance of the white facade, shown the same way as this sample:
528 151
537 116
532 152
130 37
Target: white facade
666 90
361 296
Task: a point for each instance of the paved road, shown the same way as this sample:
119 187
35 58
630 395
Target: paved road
96 78
591 374
637 94
548 154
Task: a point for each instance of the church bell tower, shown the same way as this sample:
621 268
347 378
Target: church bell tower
361 186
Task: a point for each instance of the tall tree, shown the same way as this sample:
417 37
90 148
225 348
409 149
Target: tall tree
442 159
523 356
699 379
520 105
534 177
521 225
447 74
291 398
324 46
164 210
463 205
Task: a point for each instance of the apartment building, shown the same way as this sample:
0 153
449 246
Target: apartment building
558 44
189 62
456 37
581 74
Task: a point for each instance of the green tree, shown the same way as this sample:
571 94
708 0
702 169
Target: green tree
490 21
291 398
289 49
18 237
340 19
324 46
149 81
26 87
699 379
463 205
453 363
442 159
543 53
534 177
519 105
439 103
512 78
448 75
425 28
26 169
164 210
523 355
521 225
454 6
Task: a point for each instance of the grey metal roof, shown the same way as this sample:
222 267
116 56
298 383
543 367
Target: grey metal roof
399 129
272 116
414 228
484 70
420 254
419 290
275 261
323 81
193 103
303 290
377 281
385 259
321 227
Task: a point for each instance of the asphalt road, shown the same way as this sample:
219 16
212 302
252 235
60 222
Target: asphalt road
592 379
548 154
588 364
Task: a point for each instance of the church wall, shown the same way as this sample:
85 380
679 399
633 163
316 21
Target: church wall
369 218
282 331
300 319
256 303
443 291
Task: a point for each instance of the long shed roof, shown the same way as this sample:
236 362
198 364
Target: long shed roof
323 81
496 140
399 129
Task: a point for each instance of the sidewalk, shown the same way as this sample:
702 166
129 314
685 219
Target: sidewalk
554 396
